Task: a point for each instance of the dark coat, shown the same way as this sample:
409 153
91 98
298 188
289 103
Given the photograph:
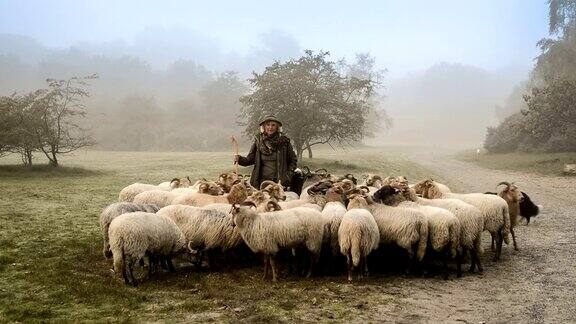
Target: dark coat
285 162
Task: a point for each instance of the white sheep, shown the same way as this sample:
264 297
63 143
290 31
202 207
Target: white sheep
333 211
443 232
205 229
472 225
176 183
237 195
114 210
201 186
407 228
358 235
268 232
160 198
136 235
128 193
494 210
291 195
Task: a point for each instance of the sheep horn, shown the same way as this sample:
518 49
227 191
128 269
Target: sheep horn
175 179
377 177
189 180
274 204
506 183
266 183
322 169
364 188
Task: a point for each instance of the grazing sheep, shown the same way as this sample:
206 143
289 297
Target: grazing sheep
159 198
270 231
333 211
275 190
202 186
494 210
407 228
237 195
176 183
443 232
128 193
136 235
471 222
205 229
358 235
114 210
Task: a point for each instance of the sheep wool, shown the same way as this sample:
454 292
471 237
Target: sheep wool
135 235
114 210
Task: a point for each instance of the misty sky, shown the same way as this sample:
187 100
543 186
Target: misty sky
404 36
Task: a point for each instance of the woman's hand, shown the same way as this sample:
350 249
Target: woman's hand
236 158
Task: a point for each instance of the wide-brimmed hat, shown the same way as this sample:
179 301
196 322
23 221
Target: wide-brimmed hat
271 118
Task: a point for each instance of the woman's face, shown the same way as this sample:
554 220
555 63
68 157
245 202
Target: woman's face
270 127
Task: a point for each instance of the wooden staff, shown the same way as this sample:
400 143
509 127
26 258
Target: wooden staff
235 152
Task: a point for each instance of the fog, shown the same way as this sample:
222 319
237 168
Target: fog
452 68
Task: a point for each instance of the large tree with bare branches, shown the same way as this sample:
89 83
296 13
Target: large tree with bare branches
319 101
57 114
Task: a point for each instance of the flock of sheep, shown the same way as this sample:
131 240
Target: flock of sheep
334 216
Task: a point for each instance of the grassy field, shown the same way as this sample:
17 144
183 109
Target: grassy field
542 163
52 268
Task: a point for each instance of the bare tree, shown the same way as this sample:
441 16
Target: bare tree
57 113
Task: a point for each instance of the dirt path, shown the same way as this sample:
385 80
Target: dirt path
535 284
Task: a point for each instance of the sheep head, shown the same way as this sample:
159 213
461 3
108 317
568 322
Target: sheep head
241 212
210 187
274 189
238 193
357 201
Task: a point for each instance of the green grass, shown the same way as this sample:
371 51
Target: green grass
52 269
541 163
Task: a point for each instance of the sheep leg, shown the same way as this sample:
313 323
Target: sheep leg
170 265
499 239
151 266
131 273
493 246
476 255
445 265
349 262
528 220
459 265
266 267
473 257
273 266
313 262
514 238
366 273
125 272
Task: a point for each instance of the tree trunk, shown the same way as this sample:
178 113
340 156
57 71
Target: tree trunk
29 157
54 159
299 152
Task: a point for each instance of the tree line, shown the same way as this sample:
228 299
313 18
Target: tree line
546 120
321 101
